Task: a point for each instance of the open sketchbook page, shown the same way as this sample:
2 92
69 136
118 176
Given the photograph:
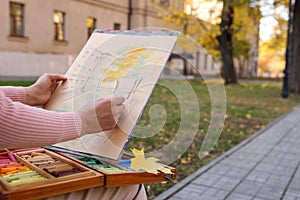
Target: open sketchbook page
113 64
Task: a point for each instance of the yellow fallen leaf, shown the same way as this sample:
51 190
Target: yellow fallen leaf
248 116
185 161
150 165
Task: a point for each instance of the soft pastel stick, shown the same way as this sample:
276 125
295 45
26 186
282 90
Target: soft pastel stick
14 165
5 160
26 173
126 164
11 157
28 180
3 157
108 169
23 177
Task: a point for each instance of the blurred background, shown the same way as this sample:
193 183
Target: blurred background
45 36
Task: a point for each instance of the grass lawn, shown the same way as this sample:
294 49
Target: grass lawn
16 83
250 107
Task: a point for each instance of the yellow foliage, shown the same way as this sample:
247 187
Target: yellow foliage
271 59
245 26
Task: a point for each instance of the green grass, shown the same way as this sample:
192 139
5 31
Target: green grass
16 83
250 107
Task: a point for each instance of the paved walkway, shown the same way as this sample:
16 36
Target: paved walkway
263 167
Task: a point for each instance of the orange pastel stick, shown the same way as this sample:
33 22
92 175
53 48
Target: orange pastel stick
14 165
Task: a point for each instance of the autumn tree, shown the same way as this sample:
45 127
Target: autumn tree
227 40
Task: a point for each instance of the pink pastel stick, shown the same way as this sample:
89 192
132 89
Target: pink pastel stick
11 157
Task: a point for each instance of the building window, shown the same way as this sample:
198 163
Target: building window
16 19
91 25
117 26
164 2
59 25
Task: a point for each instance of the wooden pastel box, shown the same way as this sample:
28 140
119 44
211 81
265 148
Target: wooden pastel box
49 173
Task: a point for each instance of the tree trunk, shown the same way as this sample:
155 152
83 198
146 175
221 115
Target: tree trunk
296 48
225 43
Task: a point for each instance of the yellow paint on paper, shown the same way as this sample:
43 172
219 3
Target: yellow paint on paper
127 62
150 165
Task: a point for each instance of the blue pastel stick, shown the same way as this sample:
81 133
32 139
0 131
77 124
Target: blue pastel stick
126 164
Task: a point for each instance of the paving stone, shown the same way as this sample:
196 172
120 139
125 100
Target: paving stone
249 156
216 193
220 169
226 183
288 197
259 176
278 180
191 196
207 179
259 198
289 162
237 172
295 184
263 166
248 188
187 193
205 197
176 198
196 188
293 193
270 191
237 196
283 170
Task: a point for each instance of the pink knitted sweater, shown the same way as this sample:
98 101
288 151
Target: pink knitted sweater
27 126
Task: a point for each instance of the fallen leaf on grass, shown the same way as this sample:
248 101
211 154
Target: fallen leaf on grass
150 165
248 116
185 161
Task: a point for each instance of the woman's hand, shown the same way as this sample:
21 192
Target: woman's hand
101 114
40 92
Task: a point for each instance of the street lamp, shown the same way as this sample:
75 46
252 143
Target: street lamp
288 53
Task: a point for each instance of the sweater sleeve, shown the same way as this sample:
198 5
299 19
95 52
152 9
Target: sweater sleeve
24 126
14 93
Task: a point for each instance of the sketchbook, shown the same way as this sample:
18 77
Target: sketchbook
112 63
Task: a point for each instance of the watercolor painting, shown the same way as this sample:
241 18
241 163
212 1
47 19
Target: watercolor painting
113 64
